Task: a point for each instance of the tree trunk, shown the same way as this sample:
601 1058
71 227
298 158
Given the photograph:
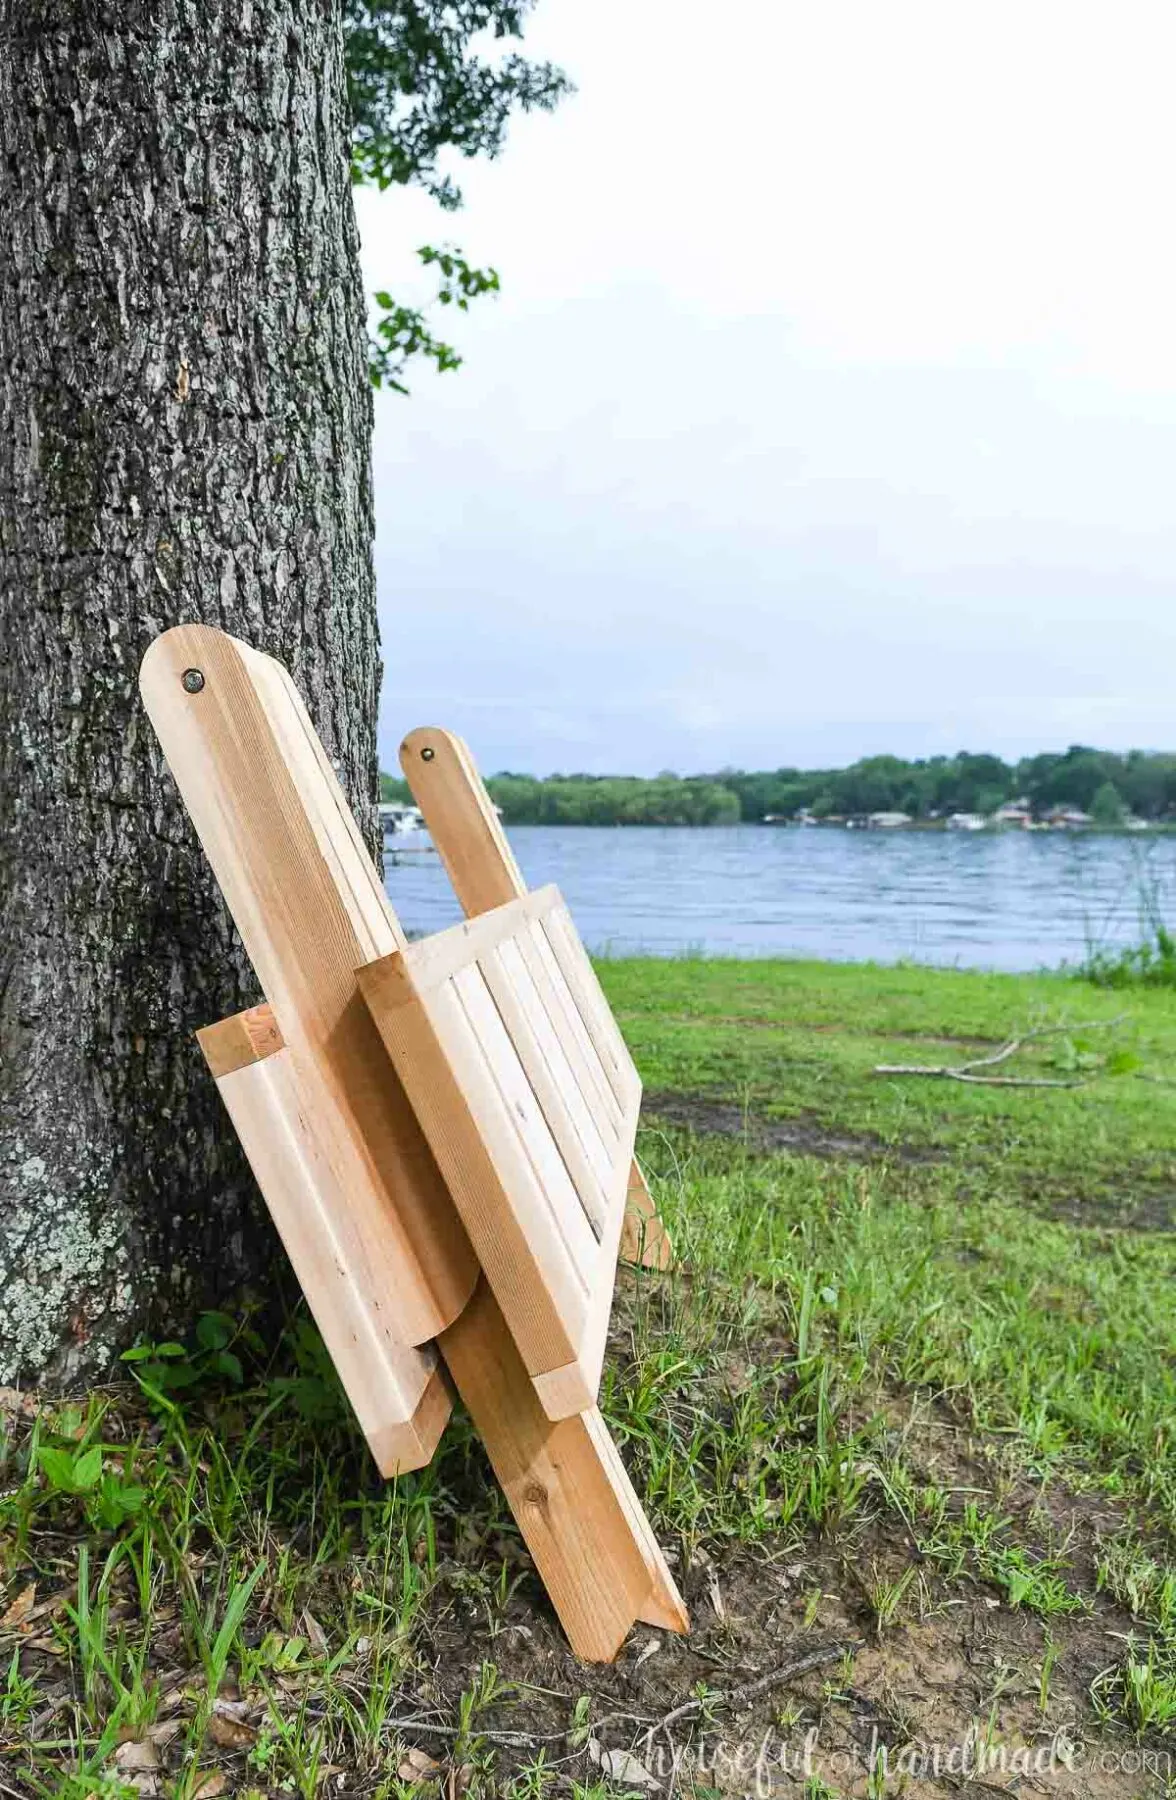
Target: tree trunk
184 434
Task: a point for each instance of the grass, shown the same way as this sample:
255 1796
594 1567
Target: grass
910 1385
1151 960
1150 963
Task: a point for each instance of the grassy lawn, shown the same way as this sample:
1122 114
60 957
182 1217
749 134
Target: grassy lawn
907 1400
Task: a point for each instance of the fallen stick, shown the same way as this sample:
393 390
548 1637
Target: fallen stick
966 1071
816 1659
941 1072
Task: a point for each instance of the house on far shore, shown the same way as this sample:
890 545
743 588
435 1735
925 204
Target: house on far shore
887 821
396 817
966 822
1017 813
1067 818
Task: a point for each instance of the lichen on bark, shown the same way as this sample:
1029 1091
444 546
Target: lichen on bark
184 434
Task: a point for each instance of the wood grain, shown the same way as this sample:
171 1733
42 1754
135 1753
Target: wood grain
245 1038
480 1156
398 1393
568 1490
564 1480
310 909
478 859
461 819
499 1100
571 1121
644 1238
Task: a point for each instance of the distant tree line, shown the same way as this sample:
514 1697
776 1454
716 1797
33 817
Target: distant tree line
1103 783
604 799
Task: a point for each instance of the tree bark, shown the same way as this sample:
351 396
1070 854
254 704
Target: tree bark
184 434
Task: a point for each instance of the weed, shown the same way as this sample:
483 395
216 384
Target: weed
1142 1689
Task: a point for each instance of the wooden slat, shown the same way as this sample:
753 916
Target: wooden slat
570 1027
461 819
398 1393
663 1604
310 909
522 1108
571 1121
568 1490
333 821
574 1386
594 1009
437 958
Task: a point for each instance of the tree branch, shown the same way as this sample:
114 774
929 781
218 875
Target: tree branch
966 1071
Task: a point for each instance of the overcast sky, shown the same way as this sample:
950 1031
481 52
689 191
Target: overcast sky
829 406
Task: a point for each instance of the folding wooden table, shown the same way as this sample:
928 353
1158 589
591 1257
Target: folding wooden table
442 1130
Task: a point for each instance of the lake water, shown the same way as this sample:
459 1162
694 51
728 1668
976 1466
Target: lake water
1009 900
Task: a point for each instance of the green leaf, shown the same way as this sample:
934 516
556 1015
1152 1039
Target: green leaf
286 1653
116 1501
214 1331
178 1375
57 1466
88 1469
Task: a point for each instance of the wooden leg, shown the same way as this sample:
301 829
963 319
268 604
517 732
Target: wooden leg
567 1487
644 1238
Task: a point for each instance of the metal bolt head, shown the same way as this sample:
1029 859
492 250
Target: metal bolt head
193 680
428 753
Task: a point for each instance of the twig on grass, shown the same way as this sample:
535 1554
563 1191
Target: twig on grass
967 1071
790 1671
940 1072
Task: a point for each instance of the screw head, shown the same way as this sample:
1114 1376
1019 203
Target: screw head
193 680
428 753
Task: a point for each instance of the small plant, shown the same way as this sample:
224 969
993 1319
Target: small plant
166 1370
1142 1690
107 1497
885 1597
1147 1587
293 1743
113 1667
90 1778
216 1649
1048 1663
70 1472
535 1779
1150 961
19 1698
